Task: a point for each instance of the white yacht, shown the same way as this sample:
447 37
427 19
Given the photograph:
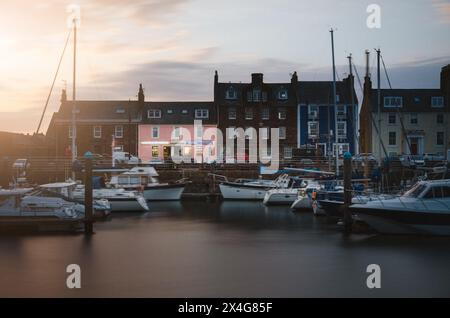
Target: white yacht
120 200
244 189
286 195
145 179
67 191
424 209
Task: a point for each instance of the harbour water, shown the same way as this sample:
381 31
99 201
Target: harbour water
222 249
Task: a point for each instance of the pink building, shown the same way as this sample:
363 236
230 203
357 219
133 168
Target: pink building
168 132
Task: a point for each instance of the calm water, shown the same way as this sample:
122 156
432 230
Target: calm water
230 249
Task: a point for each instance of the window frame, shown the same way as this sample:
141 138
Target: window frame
154 116
119 136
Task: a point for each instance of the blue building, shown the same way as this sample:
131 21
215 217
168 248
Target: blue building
316 124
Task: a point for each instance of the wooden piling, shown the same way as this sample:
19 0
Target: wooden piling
347 192
89 217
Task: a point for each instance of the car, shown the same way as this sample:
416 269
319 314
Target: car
364 157
125 157
20 164
412 160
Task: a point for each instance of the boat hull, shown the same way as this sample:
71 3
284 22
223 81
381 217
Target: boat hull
279 198
125 205
405 222
164 192
238 192
303 203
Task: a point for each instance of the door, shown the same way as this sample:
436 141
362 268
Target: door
166 152
414 146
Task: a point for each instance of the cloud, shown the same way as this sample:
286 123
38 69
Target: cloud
143 12
443 9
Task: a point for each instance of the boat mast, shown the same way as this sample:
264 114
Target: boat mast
354 112
74 128
335 105
379 100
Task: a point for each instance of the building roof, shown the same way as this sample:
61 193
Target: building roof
182 113
99 111
413 100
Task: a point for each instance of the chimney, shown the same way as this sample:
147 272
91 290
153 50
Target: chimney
445 80
141 96
257 79
63 96
294 78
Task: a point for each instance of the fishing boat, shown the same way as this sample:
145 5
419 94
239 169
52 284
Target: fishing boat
252 189
424 209
145 179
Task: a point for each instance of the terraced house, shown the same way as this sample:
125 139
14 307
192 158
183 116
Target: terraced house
409 121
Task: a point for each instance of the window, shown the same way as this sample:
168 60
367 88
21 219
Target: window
283 94
255 95
440 138
202 113
154 113
341 129
437 101
170 111
155 132
282 132
281 114
264 133
199 131
185 112
414 119
248 113
392 119
232 113
287 152
70 132
120 110
341 110
231 132
440 118
393 101
392 138
118 132
265 113
97 131
176 132
155 151
313 129
313 111
338 98
231 93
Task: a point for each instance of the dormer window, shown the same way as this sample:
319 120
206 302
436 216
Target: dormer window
393 101
437 101
120 110
283 94
184 112
201 113
170 111
231 93
154 113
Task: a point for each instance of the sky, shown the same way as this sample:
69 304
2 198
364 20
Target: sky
173 47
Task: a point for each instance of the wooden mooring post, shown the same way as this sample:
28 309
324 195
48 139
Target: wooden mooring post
88 210
347 192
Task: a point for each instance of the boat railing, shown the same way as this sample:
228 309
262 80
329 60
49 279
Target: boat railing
216 176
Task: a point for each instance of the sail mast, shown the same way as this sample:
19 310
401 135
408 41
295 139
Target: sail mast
335 105
74 128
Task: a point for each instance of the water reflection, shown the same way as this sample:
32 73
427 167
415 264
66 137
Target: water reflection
226 249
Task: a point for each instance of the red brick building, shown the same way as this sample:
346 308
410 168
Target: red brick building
97 124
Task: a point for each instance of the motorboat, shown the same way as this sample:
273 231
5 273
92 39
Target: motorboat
252 189
145 179
424 209
120 200
304 198
286 195
67 191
